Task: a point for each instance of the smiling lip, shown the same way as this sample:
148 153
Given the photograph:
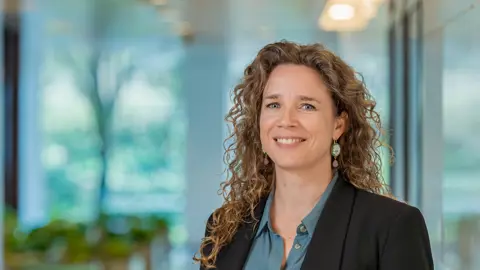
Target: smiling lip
288 141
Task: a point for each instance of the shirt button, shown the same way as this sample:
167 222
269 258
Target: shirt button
297 246
303 228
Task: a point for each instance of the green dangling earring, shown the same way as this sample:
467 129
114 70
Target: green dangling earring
336 149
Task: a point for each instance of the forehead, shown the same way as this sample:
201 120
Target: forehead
295 80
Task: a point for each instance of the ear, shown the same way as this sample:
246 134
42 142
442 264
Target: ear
341 123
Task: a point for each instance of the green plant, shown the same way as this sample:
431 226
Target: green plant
115 248
78 250
61 241
16 242
141 236
161 225
10 220
39 239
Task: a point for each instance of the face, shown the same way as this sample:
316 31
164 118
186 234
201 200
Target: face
298 119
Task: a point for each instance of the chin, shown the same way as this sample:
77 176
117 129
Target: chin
291 165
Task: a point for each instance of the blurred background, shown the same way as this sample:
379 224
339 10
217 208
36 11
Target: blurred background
111 118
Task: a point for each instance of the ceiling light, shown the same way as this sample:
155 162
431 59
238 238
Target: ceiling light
343 16
341 12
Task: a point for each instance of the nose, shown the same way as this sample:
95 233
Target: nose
288 118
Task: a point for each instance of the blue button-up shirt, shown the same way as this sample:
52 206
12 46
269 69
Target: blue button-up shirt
267 247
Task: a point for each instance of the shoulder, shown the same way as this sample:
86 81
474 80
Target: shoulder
381 202
385 210
400 230
384 206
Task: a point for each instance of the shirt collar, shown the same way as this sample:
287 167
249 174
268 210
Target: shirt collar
310 221
264 221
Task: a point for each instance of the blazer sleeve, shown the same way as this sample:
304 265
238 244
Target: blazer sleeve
407 245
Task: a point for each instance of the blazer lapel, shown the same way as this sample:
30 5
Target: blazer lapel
326 247
234 256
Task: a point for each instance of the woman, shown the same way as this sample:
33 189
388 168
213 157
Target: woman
305 190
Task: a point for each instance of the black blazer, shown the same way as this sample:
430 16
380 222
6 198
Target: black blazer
357 230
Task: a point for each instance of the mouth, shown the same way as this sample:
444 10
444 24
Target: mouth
289 140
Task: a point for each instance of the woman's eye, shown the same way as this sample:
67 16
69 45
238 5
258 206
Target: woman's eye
308 107
274 105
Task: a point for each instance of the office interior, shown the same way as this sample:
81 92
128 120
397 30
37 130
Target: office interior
111 119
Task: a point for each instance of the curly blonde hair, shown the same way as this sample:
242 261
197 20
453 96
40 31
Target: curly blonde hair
249 179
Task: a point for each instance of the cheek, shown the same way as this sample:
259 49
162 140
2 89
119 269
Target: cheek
266 124
320 128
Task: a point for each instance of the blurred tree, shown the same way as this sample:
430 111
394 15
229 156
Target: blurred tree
142 147
101 69
106 75
100 76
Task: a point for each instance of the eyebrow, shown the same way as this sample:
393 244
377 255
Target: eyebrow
305 98
302 98
272 96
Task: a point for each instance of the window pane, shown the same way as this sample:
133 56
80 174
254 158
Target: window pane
367 52
111 117
69 154
461 185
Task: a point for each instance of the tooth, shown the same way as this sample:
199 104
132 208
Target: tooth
289 141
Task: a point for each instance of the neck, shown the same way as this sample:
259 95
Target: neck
297 192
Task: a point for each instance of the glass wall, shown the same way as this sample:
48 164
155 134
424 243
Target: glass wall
461 132
405 76
450 192
367 51
101 98
435 83
121 107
